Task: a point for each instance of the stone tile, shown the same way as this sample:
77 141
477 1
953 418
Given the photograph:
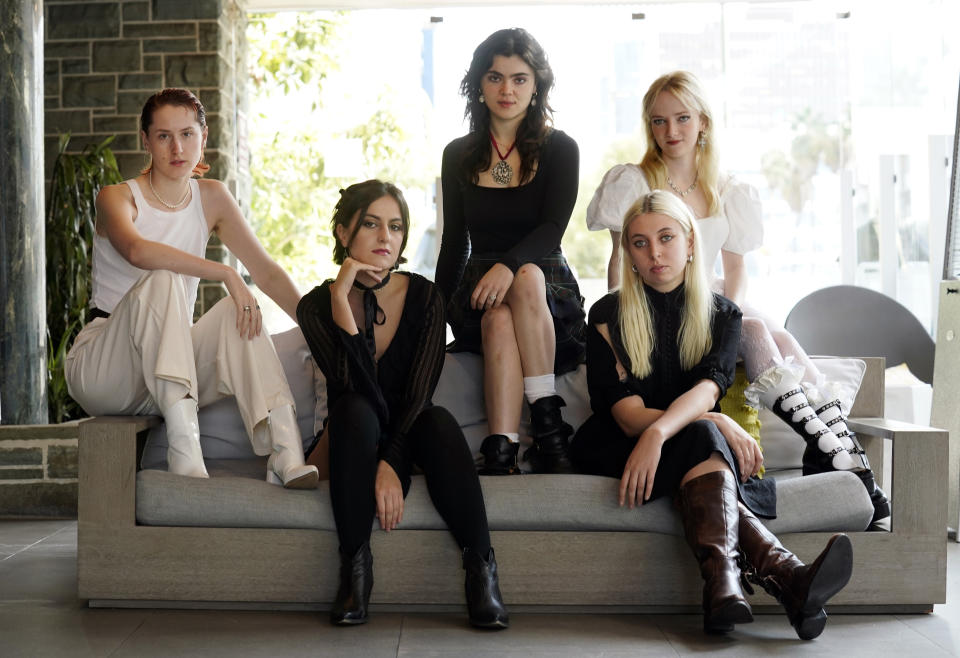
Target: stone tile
230 634
136 11
148 81
21 474
54 499
534 635
62 461
116 56
846 635
169 10
192 71
155 30
40 577
89 20
169 45
30 630
21 456
73 121
89 90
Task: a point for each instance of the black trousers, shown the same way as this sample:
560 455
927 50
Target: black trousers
435 443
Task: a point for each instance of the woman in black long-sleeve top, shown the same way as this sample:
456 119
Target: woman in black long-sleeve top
509 187
378 336
661 353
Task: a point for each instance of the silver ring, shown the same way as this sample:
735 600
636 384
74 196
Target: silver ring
246 309
492 298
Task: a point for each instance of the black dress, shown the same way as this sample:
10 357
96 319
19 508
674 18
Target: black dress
381 410
601 448
483 226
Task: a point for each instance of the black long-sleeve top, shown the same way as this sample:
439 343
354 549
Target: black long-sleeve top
523 223
401 384
667 380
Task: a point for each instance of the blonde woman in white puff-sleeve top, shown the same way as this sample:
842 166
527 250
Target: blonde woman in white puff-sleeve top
681 157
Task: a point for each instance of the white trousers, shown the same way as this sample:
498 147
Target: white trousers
146 357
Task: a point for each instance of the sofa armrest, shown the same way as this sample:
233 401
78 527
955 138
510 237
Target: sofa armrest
919 488
108 455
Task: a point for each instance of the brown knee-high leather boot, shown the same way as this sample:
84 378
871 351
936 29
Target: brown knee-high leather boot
708 505
801 589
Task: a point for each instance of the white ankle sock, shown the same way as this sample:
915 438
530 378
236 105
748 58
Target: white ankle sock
513 437
541 386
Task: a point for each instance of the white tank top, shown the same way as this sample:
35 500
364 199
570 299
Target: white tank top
185 229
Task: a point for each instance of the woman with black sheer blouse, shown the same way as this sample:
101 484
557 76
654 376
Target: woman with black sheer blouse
378 336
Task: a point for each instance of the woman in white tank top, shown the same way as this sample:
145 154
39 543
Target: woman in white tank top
141 353
682 157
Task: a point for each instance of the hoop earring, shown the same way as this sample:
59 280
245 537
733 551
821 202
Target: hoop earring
634 268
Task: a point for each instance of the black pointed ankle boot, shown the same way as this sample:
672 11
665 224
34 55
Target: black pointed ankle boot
498 456
482 587
551 437
356 583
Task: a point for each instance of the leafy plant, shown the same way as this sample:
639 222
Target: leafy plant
70 227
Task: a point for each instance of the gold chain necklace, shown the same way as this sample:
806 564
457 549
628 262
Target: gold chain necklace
160 199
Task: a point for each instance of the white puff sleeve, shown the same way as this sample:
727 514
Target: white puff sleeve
619 189
744 212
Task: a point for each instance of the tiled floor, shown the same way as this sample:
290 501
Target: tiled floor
41 616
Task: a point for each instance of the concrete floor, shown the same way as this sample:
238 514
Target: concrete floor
41 616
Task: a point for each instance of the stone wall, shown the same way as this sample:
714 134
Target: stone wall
38 470
103 59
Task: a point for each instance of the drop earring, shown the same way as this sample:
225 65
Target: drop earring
533 101
690 258
481 100
702 140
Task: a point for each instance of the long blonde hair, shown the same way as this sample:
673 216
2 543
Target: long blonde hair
687 89
636 318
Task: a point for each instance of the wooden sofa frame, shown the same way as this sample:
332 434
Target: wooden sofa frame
121 563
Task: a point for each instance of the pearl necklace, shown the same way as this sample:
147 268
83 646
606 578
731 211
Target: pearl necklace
676 189
160 199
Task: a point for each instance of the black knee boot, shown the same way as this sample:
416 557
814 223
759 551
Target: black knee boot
482 587
551 437
356 582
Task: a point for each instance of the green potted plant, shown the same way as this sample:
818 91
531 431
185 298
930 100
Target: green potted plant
70 227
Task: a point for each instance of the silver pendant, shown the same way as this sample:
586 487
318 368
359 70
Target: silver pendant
502 173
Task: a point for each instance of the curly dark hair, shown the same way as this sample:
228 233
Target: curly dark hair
536 125
354 202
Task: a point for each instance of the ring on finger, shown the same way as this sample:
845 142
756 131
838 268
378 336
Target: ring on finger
246 309
492 298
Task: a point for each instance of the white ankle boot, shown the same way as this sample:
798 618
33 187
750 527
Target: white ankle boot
184 456
285 465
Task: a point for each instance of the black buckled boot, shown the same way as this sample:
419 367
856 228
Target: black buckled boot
356 583
498 456
708 506
551 437
801 589
482 587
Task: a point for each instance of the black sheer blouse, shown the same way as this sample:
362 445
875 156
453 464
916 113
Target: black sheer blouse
400 385
668 380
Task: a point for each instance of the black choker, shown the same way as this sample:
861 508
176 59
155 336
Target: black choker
372 313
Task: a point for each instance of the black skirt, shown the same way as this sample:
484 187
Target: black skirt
601 448
563 299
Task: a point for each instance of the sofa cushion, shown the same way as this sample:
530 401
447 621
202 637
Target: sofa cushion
230 499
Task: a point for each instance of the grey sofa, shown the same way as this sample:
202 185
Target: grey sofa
150 538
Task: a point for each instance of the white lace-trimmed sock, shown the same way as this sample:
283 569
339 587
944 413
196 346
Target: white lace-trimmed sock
541 386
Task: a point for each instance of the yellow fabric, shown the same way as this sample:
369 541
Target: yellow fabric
735 405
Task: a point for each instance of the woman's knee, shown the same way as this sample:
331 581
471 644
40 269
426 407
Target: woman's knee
497 323
353 425
529 286
436 431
